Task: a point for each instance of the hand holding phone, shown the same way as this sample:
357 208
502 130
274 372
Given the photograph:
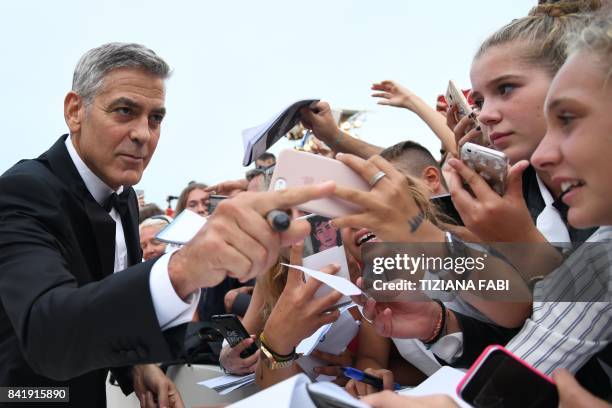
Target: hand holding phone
233 331
213 202
455 97
490 164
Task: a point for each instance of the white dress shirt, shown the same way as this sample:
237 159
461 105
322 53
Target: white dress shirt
170 309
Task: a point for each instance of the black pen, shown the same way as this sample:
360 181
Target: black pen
278 220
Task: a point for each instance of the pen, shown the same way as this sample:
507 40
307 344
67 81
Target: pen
278 220
359 375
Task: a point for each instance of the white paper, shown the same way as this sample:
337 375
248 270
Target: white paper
182 229
227 383
344 286
415 352
257 139
286 394
443 381
318 261
337 393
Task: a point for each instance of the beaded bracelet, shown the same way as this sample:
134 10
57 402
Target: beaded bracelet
440 324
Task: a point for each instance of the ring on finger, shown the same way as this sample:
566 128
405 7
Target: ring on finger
376 178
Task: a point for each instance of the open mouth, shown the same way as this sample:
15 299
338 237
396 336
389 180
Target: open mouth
362 239
568 186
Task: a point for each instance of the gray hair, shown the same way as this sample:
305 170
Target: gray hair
97 62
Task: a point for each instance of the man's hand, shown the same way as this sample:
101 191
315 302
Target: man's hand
154 389
237 240
359 389
334 364
572 395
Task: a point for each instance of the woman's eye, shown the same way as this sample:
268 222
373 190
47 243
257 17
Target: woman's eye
504 89
478 103
565 118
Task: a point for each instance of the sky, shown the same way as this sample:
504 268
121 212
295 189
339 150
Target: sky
236 64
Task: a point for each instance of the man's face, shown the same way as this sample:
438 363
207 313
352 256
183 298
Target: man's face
117 134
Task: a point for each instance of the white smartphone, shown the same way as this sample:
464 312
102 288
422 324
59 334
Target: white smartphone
455 97
490 164
294 168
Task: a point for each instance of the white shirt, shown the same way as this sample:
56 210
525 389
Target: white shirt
170 309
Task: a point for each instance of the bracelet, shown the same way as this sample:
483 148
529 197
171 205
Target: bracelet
337 141
277 357
440 327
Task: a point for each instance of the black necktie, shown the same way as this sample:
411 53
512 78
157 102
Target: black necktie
118 202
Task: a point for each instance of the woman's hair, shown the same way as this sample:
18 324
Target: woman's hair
596 38
542 32
182 200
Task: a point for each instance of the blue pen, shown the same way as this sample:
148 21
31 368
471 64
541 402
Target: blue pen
359 375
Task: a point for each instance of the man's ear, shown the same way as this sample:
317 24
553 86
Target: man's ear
432 177
73 111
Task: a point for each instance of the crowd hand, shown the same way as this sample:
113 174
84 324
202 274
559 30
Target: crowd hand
442 108
572 395
358 389
230 296
234 364
393 94
465 131
389 399
297 314
488 215
154 389
228 188
318 147
334 364
387 207
320 120
237 241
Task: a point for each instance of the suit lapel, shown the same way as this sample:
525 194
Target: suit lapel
130 230
100 223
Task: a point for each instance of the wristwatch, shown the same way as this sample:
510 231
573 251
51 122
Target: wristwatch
273 360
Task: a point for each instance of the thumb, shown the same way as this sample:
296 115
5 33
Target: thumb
515 178
243 345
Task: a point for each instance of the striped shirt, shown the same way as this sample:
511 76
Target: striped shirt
567 334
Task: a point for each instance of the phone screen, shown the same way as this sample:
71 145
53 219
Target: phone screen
502 381
234 332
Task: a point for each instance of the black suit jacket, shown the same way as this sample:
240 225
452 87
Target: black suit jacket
65 318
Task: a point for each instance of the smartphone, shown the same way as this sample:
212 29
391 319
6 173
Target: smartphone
295 168
455 97
500 379
233 331
213 202
492 165
444 204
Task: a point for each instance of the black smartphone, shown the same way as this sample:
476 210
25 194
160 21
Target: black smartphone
233 331
213 202
446 207
500 379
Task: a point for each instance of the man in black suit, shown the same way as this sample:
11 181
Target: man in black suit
71 306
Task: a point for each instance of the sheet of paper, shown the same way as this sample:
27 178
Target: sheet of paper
286 394
415 352
227 383
443 381
182 229
334 255
258 139
336 393
344 286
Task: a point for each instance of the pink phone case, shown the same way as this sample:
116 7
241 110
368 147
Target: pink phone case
481 359
294 168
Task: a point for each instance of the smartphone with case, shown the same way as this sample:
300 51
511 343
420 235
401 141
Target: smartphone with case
492 165
500 379
233 331
454 97
295 168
